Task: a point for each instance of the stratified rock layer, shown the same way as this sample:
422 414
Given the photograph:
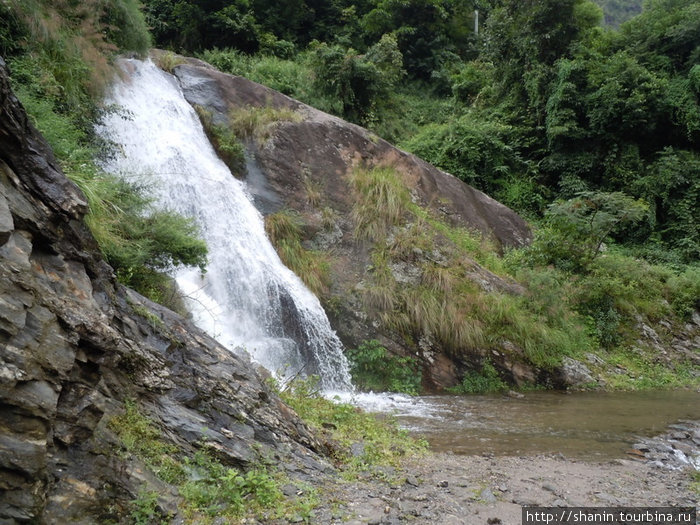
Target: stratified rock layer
75 346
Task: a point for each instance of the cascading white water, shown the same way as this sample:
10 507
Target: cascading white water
247 297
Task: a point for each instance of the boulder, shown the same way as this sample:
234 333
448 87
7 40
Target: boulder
321 152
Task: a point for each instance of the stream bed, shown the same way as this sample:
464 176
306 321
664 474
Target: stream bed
581 425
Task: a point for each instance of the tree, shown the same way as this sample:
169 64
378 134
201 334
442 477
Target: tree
581 225
524 39
363 83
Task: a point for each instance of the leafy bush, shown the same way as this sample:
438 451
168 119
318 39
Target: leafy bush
484 381
144 509
216 490
373 369
576 229
476 150
363 83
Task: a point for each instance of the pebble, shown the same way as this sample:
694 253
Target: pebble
412 480
487 496
550 488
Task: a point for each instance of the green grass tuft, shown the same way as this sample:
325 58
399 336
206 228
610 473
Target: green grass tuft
224 140
384 444
260 122
284 229
381 201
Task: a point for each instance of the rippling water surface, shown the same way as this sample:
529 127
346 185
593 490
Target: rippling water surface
584 425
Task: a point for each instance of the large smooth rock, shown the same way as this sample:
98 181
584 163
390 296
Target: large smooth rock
321 151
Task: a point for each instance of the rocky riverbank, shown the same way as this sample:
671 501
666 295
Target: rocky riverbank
471 490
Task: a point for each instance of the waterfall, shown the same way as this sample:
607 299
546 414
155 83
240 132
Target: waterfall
247 298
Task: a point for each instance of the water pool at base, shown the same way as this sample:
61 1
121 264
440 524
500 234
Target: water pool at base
580 425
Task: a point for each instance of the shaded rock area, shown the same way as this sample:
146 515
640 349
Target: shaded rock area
306 167
75 346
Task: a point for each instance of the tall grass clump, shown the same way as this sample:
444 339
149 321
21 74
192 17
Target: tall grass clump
284 229
259 122
381 201
71 44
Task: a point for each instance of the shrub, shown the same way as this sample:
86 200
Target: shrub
373 369
472 148
483 381
217 490
363 83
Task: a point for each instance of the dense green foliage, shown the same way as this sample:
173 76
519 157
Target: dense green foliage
373 369
543 104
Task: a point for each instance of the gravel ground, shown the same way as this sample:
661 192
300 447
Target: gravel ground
444 489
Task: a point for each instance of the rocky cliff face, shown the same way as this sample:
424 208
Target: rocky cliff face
307 166
75 347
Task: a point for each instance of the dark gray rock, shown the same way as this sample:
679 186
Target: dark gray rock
7 225
574 373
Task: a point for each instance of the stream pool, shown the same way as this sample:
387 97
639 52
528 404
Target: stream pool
581 425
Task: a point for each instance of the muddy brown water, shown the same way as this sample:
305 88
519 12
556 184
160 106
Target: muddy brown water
584 425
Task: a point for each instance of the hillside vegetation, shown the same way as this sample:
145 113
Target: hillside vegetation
591 133
61 56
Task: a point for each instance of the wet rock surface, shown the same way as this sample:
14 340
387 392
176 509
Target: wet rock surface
677 449
473 490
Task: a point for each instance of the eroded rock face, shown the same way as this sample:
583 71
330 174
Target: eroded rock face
75 345
320 153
